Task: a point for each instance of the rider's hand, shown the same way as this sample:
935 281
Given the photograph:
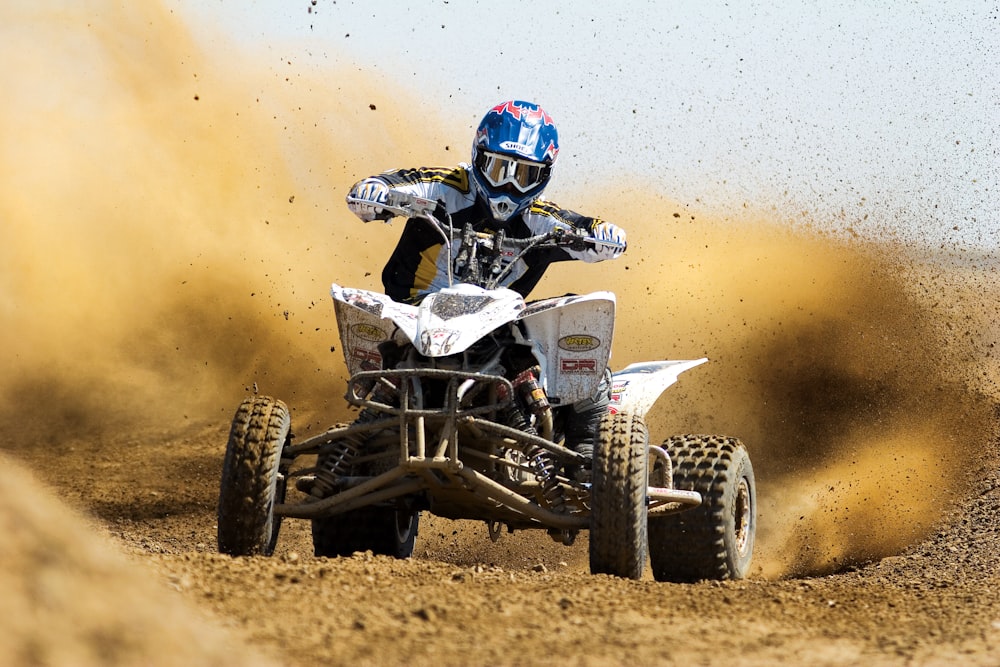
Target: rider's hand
366 199
610 238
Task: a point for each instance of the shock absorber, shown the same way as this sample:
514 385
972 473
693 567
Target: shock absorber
526 384
542 464
336 463
333 465
545 473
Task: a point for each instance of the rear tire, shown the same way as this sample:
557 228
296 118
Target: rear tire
385 531
251 480
714 540
618 541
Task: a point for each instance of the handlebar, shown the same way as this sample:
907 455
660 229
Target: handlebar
407 205
410 206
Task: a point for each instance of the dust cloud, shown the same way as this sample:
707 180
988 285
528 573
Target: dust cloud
172 220
171 223
855 371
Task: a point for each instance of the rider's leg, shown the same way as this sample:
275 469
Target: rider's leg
585 417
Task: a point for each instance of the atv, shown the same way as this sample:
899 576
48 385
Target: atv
462 401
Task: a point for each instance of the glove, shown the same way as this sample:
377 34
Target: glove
610 240
365 200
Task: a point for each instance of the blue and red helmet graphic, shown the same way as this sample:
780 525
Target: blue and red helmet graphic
519 129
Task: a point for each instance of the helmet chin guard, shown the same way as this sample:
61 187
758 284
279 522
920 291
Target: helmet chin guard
502 207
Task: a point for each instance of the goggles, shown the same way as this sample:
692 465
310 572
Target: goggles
500 170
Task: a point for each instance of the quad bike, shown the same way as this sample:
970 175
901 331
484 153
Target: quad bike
463 402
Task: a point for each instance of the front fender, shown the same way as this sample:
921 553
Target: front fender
636 387
365 320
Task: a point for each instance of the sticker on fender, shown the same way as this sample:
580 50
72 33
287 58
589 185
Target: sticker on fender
370 356
578 365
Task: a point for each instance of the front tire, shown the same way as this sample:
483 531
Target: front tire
618 541
714 540
251 480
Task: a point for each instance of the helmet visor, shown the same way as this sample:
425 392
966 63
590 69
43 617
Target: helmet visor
501 170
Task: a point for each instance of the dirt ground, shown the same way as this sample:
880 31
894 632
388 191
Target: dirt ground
172 223
139 582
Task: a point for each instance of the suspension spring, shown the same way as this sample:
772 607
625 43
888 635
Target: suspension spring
542 465
333 465
545 473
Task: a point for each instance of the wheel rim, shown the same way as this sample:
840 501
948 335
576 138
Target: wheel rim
742 516
404 525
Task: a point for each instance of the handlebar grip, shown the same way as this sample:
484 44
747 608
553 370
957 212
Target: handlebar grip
410 205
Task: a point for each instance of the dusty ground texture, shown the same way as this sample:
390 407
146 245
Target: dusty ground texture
140 583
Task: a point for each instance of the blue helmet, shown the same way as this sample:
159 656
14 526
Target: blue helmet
512 156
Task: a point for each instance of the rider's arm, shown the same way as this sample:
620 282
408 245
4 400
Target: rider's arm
448 185
609 239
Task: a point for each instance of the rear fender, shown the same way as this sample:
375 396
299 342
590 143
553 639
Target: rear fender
636 387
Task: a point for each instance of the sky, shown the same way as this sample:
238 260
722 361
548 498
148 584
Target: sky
873 117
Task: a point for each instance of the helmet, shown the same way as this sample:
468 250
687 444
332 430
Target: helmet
512 156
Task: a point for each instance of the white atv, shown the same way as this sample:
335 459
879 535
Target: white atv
463 403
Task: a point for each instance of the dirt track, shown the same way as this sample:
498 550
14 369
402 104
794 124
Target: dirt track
461 601
160 257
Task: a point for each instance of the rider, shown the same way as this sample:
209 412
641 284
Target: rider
513 152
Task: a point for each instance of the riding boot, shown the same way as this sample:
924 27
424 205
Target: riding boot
584 418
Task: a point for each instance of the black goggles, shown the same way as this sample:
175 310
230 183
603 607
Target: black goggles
500 170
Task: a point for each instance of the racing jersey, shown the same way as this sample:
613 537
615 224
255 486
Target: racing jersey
419 264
